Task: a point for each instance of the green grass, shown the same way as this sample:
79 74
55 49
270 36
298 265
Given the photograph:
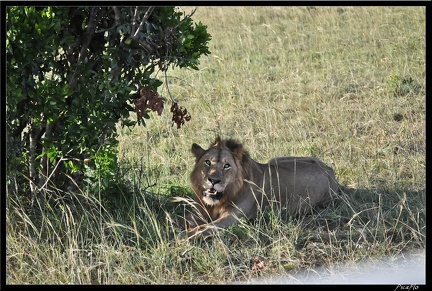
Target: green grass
345 84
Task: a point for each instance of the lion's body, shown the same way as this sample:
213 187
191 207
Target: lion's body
229 184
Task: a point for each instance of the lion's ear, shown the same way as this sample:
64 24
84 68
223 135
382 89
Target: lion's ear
217 142
197 150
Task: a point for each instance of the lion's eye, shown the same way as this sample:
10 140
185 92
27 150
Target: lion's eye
227 166
207 162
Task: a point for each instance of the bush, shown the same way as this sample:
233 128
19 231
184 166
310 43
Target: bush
74 72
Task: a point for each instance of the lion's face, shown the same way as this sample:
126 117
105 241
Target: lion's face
217 173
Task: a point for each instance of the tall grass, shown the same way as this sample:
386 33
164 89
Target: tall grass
345 84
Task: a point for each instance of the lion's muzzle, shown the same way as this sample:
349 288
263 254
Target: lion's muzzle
211 196
212 193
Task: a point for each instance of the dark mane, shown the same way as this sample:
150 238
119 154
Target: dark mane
238 152
235 147
232 144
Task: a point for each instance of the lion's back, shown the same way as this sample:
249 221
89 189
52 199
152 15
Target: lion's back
301 183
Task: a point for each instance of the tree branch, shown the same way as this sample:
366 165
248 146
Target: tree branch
33 133
187 17
116 15
145 17
134 20
91 28
116 71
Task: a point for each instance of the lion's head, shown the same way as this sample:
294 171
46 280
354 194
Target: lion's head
219 171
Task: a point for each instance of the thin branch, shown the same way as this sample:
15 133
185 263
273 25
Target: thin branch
148 46
166 85
134 20
32 156
89 36
187 17
116 15
145 17
55 168
116 71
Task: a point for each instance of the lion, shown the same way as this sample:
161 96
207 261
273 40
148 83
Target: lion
228 185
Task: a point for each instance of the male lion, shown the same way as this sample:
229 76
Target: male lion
229 184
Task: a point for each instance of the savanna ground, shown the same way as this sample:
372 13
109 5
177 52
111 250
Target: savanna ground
345 84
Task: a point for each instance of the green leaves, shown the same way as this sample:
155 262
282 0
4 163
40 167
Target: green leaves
398 86
72 72
193 42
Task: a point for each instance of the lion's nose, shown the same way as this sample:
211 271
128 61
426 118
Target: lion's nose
214 181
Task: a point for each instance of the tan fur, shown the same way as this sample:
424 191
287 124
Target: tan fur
240 185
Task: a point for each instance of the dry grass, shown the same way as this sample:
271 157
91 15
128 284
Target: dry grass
345 84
